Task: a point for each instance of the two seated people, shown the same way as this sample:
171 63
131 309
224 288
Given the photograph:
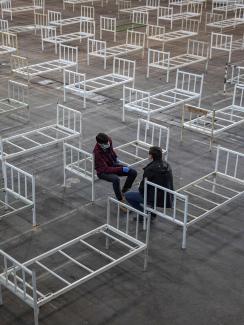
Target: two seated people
109 168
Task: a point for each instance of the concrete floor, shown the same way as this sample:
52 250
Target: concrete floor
202 285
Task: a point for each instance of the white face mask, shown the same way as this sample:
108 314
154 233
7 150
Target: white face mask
105 146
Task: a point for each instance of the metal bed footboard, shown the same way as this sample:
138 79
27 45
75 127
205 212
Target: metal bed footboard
18 99
134 242
148 134
67 127
20 186
202 197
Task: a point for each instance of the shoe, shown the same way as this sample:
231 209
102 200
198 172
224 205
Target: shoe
122 208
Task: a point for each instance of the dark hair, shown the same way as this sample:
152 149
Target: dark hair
156 153
102 138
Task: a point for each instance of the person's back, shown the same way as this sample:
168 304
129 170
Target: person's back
159 172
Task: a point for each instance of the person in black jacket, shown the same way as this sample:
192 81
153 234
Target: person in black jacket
158 171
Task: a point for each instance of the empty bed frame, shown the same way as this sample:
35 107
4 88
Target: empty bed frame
81 163
135 42
226 6
109 24
6 7
78 2
55 17
188 87
230 23
17 100
49 34
151 5
204 196
68 126
197 52
155 33
234 74
9 43
4 25
21 278
225 42
213 122
18 192
194 10
68 58
76 83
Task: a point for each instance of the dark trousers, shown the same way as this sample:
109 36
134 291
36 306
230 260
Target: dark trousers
115 180
135 199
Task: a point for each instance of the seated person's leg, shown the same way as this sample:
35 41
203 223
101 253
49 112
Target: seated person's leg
113 178
131 176
135 199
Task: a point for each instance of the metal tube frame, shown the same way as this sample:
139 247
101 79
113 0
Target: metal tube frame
15 274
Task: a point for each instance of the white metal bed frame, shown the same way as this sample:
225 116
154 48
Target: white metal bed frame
211 17
189 28
6 7
109 24
18 192
4 25
123 4
150 6
68 58
194 10
227 6
225 42
9 43
79 2
81 163
68 126
214 122
21 280
135 42
188 87
49 34
40 20
55 17
197 52
17 100
202 197
229 23
234 74
76 83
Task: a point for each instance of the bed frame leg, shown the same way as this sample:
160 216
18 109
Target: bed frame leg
184 237
1 296
36 313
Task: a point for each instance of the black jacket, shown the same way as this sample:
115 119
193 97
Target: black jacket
160 173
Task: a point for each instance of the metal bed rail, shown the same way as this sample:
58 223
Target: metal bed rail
19 185
202 197
197 51
130 238
68 126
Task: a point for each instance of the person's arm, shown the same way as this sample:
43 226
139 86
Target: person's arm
102 167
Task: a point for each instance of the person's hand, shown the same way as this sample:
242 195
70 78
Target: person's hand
126 169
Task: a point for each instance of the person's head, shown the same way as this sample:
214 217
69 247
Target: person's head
103 140
155 153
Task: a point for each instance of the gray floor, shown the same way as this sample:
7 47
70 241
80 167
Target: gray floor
201 285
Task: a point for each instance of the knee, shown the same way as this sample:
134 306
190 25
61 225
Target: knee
133 172
128 196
